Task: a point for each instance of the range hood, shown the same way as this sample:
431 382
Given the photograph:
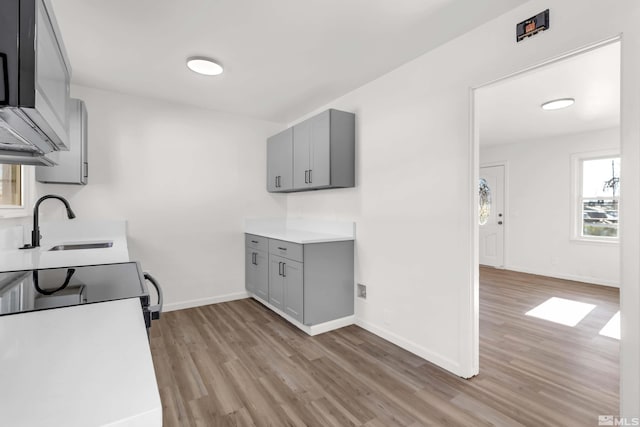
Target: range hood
34 83
16 150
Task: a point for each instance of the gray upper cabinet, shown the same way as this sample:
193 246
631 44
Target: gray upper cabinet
53 75
279 162
312 152
73 165
323 153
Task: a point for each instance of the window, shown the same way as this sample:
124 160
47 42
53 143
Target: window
598 195
11 194
17 188
484 199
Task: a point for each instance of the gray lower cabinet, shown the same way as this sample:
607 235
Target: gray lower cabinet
257 273
257 266
312 283
276 281
323 153
286 286
293 289
279 162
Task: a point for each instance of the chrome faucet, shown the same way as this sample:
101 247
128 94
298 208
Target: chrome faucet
35 234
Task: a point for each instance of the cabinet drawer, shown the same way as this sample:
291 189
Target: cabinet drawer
286 249
257 242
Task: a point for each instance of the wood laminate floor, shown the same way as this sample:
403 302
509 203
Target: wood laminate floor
239 364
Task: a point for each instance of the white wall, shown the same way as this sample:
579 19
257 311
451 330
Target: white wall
416 182
538 239
185 179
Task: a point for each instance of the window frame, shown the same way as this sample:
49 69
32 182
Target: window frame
577 220
27 184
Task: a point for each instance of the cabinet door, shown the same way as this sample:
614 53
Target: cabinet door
249 271
257 273
72 166
52 75
293 289
320 151
262 275
311 152
276 281
279 161
301 156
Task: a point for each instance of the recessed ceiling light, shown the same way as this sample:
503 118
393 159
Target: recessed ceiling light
557 104
205 66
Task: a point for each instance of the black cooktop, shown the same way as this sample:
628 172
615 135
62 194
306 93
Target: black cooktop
31 290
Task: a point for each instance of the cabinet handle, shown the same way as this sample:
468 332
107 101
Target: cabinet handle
310 180
276 179
284 272
280 269
306 177
282 249
254 241
254 258
279 181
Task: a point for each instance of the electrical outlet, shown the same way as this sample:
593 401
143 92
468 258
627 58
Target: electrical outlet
362 291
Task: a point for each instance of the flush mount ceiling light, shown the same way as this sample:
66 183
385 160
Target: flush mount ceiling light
202 65
557 104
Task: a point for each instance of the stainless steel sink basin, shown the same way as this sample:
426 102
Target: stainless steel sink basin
75 246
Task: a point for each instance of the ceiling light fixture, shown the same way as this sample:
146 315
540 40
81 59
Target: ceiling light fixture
557 104
206 66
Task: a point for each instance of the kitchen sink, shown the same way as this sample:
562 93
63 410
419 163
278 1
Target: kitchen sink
75 246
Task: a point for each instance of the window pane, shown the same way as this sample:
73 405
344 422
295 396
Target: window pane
600 218
484 201
601 177
10 185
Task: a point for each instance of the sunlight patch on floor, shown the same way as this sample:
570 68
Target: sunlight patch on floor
563 311
612 328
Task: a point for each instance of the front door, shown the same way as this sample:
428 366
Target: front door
491 215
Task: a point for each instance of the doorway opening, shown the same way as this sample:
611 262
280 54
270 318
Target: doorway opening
548 250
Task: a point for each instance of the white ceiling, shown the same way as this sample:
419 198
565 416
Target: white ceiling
509 110
282 58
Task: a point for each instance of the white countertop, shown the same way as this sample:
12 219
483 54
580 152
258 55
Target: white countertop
70 231
104 376
301 231
301 236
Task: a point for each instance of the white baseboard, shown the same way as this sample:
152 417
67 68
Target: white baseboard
437 359
331 325
204 301
318 329
591 280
